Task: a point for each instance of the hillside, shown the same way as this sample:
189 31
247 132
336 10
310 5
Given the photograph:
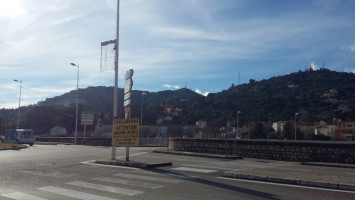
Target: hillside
315 95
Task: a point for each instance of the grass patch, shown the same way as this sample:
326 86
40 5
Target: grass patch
10 145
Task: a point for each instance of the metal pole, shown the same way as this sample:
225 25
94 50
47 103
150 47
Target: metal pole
296 126
19 105
77 106
115 91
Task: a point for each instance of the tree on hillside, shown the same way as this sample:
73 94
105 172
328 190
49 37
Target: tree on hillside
257 131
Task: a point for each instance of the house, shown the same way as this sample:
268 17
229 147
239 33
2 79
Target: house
278 126
345 130
201 124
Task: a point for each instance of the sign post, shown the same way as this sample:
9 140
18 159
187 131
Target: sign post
87 118
126 131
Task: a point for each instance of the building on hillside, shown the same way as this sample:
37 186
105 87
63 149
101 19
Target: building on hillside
201 124
345 130
278 126
58 131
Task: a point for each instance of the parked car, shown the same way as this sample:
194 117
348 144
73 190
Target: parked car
22 136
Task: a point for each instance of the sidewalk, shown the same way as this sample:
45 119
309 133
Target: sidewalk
313 174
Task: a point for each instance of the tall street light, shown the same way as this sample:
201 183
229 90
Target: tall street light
141 128
238 122
296 126
19 104
143 94
77 102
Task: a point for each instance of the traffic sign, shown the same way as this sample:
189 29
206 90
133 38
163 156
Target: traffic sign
87 117
126 132
169 110
128 85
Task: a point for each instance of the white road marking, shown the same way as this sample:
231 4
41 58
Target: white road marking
22 196
194 170
149 178
73 193
287 185
125 182
106 188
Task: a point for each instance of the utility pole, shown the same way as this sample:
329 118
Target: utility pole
115 91
19 104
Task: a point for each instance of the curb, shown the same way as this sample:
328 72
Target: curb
133 164
317 184
184 153
339 165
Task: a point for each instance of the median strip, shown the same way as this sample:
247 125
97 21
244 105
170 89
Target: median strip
289 181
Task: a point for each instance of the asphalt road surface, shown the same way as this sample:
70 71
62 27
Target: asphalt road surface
68 172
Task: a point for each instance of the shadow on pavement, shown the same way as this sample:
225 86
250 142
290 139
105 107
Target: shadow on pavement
216 184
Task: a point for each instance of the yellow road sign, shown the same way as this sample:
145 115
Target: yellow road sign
126 132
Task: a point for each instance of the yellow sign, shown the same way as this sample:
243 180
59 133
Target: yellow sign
126 132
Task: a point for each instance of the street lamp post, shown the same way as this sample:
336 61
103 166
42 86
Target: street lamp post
296 126
141 128
19 104
238 122
143 94
77 102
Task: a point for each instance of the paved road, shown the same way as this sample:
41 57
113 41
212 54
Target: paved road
68 172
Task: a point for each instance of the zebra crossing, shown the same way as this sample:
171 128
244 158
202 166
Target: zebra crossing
115 186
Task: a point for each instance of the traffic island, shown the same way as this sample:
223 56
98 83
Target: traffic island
196 154
136 164
290 181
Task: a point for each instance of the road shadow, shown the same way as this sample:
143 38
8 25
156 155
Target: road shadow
215 184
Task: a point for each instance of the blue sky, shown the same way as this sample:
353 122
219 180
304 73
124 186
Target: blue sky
200 44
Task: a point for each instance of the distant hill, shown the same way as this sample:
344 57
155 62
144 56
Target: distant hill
315 95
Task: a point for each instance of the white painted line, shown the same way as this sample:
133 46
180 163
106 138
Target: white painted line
194 170
125 182
21 196
105 188
73 193
149 178
286 185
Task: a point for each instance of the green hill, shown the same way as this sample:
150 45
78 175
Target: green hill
315 95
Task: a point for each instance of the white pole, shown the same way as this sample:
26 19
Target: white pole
296 126
115 92
19 104
77 106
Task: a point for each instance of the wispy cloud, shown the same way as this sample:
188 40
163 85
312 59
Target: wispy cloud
201 93
171 86
314 66
349 70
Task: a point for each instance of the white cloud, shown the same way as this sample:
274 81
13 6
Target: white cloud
349 70
314 66
351 47
201 93
12 8
171 86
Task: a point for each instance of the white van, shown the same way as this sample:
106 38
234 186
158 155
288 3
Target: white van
22 136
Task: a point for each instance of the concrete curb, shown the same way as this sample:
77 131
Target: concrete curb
338 165
133 164
317 184
183 153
